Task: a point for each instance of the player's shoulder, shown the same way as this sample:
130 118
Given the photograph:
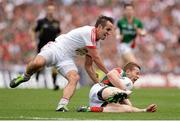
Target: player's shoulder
83 30
119 69
123 19
86 28
42 19
137 20
56 21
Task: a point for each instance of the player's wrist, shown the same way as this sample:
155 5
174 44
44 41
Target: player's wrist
145 110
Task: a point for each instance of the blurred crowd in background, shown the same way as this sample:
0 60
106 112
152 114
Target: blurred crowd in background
159 51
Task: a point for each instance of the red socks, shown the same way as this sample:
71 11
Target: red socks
96 109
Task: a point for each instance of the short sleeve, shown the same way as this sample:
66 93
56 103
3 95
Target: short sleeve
119 26
119 70
38 26
140 24
90 38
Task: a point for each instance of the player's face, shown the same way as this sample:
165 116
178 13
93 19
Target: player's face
129 11
134 74
103 32
50 10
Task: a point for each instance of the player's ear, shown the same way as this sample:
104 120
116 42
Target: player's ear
128 71
100 26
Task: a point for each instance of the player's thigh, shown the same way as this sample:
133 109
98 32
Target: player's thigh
110 91
116 107
95 98
38 61
68 69
123 48
126 52
49 56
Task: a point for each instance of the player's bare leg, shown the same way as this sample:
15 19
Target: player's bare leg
69 90
54 77
115 107
34 66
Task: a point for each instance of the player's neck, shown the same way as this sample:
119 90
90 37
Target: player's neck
129 19
97 37
50 18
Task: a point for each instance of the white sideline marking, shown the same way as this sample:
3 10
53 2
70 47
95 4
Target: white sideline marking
64 119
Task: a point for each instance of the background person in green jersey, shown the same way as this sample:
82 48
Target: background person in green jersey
129 28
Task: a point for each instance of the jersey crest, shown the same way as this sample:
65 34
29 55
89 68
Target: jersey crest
81 51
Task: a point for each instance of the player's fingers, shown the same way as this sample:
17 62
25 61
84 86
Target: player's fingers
153 108
153 105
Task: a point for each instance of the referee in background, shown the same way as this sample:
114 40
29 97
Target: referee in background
47 29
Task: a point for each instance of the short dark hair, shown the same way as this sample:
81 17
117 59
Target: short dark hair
102 20
128 4
131 65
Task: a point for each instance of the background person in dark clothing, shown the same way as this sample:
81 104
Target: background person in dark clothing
47 29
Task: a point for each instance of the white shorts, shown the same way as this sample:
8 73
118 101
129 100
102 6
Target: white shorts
93 97
54 57
124 48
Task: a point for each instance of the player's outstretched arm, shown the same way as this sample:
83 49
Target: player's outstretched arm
89 69
93 52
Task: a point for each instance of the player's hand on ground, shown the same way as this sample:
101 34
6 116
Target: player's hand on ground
151 108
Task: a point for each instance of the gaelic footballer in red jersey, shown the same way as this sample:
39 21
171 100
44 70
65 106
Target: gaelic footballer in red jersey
61 54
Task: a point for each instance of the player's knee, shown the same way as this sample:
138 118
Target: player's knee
38 62
74 78
129 110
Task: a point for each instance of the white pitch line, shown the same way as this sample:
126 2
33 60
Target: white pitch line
64 119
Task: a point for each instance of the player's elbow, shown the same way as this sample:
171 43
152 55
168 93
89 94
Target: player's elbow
96 58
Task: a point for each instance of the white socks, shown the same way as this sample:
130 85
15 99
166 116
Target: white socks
63 101
26 77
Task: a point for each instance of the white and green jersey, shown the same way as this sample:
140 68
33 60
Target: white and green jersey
128 30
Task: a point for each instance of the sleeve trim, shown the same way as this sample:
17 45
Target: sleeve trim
92 47
93 35
119 70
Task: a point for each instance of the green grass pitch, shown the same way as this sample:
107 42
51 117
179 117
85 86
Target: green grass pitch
22 104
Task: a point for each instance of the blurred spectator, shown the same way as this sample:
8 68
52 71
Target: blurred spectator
158 52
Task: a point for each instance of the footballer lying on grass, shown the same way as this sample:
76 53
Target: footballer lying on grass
111 94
